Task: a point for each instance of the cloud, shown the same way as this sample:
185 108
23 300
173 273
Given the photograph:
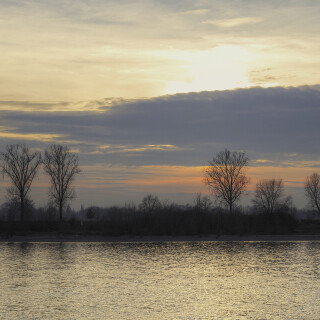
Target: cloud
34 106
279 125
81 50
30 136
236 22
194 12
138 148
159 145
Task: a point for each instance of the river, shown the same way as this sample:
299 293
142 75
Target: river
160 280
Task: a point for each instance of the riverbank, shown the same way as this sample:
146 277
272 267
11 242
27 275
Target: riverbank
88 238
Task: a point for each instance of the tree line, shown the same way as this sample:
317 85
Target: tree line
154 217
21 165
226 177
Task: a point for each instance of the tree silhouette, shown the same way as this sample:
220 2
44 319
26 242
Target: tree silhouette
269 196
21 166
226 178
202 202
61 165
150 203
312 190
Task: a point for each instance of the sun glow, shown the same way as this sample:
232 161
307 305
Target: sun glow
220 68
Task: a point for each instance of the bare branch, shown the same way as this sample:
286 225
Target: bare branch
61 165
269 196
149 204
312 190
21 166
226 178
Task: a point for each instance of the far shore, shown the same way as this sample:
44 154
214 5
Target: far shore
195 238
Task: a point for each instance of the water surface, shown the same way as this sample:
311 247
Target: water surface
174 280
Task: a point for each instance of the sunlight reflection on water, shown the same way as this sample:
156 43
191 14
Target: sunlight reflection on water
174 280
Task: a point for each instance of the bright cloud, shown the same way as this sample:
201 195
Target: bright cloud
81 50
30 136
230 23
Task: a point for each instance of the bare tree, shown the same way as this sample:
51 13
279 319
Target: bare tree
62 166
202 203
312 190
150 203
225 176
21 166
269 196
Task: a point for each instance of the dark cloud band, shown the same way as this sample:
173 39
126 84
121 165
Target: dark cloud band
183 129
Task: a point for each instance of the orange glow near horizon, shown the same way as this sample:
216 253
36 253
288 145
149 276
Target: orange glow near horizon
190 179
120 184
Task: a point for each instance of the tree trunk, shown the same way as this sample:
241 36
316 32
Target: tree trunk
22 209
318 207
60 211
230 208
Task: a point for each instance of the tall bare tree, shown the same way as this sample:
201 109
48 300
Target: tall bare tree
21 166
62 166
202 202
150 203
312 190
225 176
269 196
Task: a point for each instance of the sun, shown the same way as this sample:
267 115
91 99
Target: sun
221 68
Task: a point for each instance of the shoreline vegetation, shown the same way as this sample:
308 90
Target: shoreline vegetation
161 225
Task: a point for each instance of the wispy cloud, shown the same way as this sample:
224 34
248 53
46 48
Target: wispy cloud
194 12
236 22
111 149
137 148
62 106
43 137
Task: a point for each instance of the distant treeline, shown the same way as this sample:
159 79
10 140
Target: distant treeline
157 219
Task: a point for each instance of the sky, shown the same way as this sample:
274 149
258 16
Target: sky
146 92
